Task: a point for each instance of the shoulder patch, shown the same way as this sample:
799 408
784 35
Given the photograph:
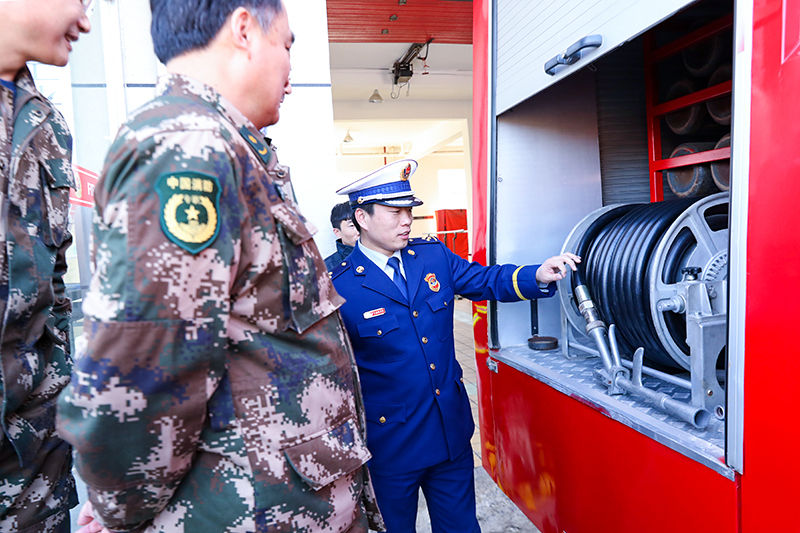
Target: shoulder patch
340 268
189 209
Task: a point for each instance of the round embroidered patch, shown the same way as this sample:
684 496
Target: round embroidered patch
189 209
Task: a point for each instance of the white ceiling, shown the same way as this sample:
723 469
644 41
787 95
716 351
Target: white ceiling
358 69
407 124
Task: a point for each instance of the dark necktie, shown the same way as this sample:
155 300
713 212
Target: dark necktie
398 278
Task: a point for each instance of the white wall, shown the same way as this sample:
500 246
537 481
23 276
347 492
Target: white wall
403 109
304 134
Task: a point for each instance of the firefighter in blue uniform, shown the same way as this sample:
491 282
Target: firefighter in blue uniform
399 314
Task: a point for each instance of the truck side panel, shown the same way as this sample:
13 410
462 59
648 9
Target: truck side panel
570 468
771 363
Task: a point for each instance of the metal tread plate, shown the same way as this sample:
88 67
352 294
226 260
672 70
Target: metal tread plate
575 378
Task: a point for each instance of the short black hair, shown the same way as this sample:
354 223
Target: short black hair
340 213
368 209
180 26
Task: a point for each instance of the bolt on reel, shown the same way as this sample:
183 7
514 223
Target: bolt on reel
658 273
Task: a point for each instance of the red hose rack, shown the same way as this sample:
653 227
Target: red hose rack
652 56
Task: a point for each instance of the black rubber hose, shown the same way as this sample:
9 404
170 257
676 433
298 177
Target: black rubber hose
589 235
617 249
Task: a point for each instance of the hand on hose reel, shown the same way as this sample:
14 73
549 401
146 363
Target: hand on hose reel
555 268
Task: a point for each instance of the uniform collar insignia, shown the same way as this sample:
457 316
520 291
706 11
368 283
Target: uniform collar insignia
256 142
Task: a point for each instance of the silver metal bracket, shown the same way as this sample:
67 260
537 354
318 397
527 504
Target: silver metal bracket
706 335
491 364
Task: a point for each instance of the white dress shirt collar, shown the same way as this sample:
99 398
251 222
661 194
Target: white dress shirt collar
382 261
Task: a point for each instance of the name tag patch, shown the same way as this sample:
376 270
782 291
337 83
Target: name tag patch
375 312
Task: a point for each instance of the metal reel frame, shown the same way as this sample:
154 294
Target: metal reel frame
710 253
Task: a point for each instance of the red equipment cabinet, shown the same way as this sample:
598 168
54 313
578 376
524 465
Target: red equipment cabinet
451 229
567 461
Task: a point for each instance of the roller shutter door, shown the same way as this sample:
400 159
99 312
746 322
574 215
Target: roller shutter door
531 33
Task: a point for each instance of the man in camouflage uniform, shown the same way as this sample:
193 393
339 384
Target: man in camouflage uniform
36 485
218 391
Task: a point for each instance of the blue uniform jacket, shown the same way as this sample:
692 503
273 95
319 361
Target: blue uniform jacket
418 412
336 258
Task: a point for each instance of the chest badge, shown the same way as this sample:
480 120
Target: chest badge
433 283
375 312
189 209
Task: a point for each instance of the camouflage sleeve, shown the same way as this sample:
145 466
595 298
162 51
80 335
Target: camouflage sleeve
58 150
166 235
62 308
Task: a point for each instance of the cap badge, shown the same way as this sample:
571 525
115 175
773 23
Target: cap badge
406 172
433 283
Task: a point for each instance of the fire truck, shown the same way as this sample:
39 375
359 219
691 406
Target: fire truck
655 392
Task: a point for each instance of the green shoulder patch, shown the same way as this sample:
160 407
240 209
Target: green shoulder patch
189 209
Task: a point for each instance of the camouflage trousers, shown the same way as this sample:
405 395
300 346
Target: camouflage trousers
37 498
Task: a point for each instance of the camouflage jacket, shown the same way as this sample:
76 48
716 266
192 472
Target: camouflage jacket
36 485
35 177
219 390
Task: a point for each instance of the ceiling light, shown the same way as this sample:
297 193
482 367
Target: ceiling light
348 138
375 97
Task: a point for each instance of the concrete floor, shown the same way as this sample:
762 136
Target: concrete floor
496 513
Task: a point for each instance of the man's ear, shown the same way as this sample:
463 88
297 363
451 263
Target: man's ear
241 24
361 217
337 232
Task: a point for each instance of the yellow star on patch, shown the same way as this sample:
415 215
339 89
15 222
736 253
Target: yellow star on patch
192 214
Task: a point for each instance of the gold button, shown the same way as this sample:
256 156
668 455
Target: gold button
344 264
433 367
462 380
424 340
415 313
445 304
380 332
412 252
359 269
382 420
437 392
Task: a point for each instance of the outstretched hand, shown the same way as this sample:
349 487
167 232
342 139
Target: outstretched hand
555 268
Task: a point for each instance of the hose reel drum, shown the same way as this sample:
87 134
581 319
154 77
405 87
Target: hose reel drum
658 272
